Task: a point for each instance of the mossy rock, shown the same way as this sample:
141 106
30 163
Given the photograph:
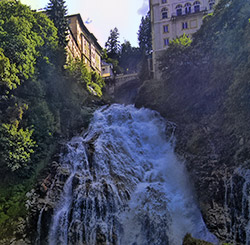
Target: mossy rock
189 240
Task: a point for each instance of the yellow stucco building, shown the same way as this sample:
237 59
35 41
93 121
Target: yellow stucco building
173 18
82 44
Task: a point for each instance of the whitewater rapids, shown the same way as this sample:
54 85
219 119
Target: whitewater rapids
125 184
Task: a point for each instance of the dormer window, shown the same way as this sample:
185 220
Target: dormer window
179 10
164 13
211 4
197 6
187 8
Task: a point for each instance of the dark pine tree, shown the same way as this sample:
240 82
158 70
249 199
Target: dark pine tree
113 44
144 35
57 12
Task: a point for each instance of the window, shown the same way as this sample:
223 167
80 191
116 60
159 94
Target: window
211 4
166 41
179 10
163 1
196 6
165 29
164 13
187 8
184 25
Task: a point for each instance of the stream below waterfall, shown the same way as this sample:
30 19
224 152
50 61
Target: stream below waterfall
125 185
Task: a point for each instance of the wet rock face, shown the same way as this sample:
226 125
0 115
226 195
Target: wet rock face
42 200
221 180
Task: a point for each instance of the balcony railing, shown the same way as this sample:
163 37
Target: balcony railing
183 14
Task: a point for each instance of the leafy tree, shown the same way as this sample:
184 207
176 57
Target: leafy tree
17 38
91 80
178 54
113 44
16 144
27 40
8 74
25 36
144 34
57 12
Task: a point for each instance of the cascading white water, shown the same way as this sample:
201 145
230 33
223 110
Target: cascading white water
246 201
237 206
125 185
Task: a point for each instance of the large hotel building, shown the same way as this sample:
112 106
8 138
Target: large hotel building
172 18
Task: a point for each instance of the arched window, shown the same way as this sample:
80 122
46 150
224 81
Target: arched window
164 13
211 4
197 6
179 10
187 8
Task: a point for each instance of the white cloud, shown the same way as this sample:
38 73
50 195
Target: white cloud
143 10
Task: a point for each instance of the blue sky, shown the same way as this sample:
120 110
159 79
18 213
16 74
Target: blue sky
100 16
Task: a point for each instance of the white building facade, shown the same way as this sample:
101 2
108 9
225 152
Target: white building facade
173 18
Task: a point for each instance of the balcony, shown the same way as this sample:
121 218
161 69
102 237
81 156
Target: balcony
178 15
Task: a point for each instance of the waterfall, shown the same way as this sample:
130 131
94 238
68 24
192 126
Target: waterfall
39 226
237 205
125 184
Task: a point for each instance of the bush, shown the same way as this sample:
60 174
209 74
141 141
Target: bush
16 146
91 80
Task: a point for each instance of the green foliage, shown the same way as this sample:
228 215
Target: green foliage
57 12
96 84
27 41
8 73
78 70
44 127
17 39
17 146
12 205
183 41
91 80
177 55
48 32
24 36
144 35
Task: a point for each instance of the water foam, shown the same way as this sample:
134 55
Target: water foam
126 185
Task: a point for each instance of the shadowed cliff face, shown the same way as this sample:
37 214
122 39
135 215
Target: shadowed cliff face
205 89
